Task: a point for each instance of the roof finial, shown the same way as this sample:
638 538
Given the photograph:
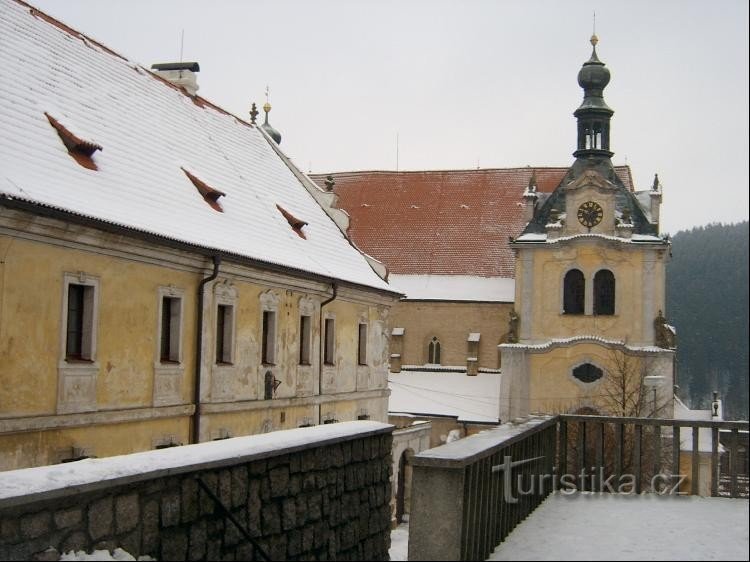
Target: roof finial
594 38
267 105
253 114
275 135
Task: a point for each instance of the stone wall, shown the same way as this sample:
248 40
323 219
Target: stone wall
311 493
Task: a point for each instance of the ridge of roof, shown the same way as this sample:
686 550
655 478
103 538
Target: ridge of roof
62 26
150 133
322 175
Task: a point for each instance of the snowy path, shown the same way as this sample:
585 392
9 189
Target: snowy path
611 527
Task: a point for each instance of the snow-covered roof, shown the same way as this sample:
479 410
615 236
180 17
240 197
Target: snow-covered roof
153 136
634 239
470 398
705 437
454 287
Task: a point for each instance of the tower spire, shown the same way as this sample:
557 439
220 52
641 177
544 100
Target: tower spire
593 114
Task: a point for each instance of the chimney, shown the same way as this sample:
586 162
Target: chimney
179 73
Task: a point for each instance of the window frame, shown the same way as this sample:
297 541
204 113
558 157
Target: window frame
305 340
329 341
362 335
227 336
176 327
433 351
603 288
269 330
577 294
89 320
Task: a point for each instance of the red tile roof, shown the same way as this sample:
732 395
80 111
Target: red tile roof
454 222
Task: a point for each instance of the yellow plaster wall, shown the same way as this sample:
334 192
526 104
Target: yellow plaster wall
553 389
451 322
627 264
38 448
31 324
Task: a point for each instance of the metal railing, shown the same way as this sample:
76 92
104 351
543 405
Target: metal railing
467 496
464 495
636 455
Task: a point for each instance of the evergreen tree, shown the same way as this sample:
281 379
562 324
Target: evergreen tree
707 301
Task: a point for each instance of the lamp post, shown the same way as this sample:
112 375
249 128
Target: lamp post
653 382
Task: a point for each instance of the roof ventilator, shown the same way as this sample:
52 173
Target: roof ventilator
209 194
293 221
80 149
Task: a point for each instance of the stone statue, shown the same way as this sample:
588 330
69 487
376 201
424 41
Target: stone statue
663 334
513 327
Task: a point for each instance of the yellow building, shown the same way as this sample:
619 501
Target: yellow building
167 275
590 275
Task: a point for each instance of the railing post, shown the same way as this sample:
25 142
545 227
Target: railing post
562 451
637 457
715 473
696 467
675 455
734 463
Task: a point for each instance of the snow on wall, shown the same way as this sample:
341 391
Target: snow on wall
45 480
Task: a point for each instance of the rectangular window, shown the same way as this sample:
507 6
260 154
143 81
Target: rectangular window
305 323
362 347
269 338
170 330
328 344
224 333
80 322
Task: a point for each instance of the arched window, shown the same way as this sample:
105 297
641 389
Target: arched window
588 373
604 292
574 292
433 351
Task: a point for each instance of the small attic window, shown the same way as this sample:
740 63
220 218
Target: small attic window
80 149
293 221
209 194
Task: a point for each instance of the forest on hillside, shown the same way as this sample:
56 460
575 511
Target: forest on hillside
707 301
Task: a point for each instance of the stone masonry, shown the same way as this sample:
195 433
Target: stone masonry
323 502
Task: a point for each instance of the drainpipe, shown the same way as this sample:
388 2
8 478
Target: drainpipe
334 287
196 421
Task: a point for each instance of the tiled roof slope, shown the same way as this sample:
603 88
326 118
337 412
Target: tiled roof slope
152 135
453 222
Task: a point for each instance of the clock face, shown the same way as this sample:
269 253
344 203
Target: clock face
590 214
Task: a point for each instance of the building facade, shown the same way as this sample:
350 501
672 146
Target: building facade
590 278
167 276
552 276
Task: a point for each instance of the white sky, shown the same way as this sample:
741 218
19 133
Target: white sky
491 83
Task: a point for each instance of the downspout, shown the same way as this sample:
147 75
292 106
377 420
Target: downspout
322 347
196 421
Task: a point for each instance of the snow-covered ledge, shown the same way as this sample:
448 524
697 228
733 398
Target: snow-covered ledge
49 482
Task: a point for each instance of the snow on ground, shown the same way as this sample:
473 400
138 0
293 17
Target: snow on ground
116 554
473 398
618 527
400 542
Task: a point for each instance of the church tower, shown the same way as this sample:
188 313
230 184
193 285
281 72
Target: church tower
588 326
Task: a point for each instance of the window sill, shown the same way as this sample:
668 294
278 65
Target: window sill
224 364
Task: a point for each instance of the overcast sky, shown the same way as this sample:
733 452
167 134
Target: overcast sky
467 84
